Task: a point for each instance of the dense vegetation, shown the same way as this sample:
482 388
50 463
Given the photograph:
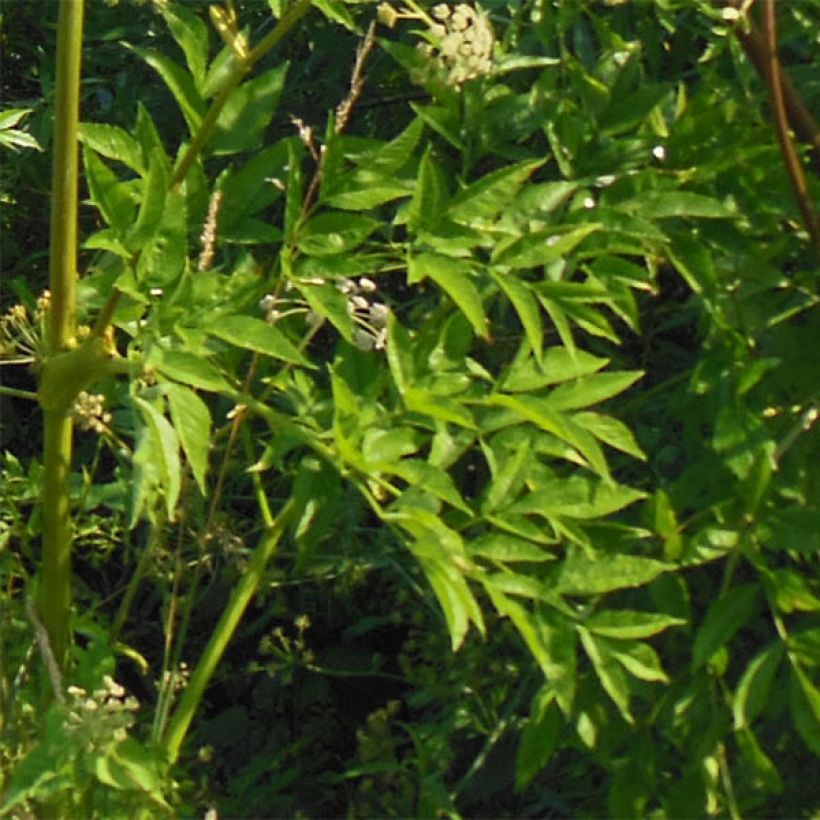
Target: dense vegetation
443 382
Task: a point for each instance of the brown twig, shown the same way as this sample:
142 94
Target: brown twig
781 121
799 116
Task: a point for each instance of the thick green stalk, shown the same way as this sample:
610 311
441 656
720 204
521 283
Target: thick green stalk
222 634
55 570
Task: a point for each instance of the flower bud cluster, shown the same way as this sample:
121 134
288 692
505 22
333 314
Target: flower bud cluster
90 413
101 719
18 336
460 38
463 42
370 316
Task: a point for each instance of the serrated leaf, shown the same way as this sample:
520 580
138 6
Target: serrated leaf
723 619
541 414
191 35
558 365
589 390
665 204
489 196
610 431
508 479
113 197
249 110
192 421
163 453
609 673
626 624
507 549
179 83
541 247
155 187
526 306
752 692
163 258
640 660
426 207
253 334
190 369
114 143
455 279
582 575
430 479
334 232
576 497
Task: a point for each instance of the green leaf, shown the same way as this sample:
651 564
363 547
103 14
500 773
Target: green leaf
438 407
188 368
592 389
626 624
753 689
539 738
334 10
610 431
805 708
392 156
192 422
114 143
540 248
330 303
191 35
362 190
608 671
163 452
558 365
454 277
334 232
526 306
427 204
254 334
155 187
508 479
249 110
429 479
179 83
507 549
114 198
541 414
665 204
724 617
640 660
490 195
163 258
582 575
762 776
576 497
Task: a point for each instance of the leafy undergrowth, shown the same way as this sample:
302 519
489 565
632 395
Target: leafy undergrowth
514 333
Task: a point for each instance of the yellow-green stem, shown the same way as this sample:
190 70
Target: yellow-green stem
235 608
55 572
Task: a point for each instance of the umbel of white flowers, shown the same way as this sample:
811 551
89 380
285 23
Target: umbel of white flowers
459 38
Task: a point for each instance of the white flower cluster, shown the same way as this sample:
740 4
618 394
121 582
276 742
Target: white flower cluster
464 42
369 316
460 38
101 719
90 413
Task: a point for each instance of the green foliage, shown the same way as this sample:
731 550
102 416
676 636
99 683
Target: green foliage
521 371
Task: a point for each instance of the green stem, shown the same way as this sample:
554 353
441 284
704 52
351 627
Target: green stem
55 582
240 70
235 608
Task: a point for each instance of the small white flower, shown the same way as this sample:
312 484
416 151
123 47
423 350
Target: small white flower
367 285
358 303
363 340
378 314
589 202
659 152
